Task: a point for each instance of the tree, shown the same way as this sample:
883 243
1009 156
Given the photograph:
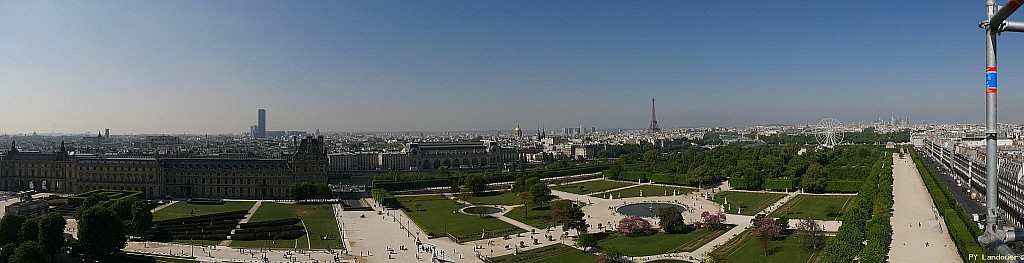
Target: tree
612 254
873 252
703 173
712 220
93 200
519 185
141 219
306 191
100 232
418 206
766 230
29 252
476 184
123 207
532 180
442 172
51 232
783 222
753 178
540 193
10 226
811 235
6 251
527 200
569 215
634 226
651 157
29 231
672 221
560 208
814 179
456 186
614 169
586 240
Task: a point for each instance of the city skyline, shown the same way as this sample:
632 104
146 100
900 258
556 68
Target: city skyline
197 67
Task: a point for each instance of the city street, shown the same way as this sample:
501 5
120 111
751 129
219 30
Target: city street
971 206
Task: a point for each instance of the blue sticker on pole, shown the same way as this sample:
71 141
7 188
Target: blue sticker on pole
990 79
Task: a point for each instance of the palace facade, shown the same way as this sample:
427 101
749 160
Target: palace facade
59 172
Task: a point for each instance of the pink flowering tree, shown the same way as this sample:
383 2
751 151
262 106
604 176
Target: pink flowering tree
766 229
712 220
634 225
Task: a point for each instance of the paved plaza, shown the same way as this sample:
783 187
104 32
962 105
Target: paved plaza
919 232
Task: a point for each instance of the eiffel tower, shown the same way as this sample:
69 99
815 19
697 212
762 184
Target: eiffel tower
654 120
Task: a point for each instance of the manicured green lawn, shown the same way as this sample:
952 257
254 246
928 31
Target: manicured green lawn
438 215
556 253
318 219
660 243
182 209
755 202
591 186
648 190
747 248
539 217
493 198
814 206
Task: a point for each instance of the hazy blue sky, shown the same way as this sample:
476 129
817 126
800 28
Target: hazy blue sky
206 66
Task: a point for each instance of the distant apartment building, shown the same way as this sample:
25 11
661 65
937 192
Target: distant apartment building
433 155
966 158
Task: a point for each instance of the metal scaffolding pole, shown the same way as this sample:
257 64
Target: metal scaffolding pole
995 237
991 126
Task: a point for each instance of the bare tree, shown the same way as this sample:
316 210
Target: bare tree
810 233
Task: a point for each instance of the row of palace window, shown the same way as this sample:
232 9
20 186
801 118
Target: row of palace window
222 181
117 168
229 166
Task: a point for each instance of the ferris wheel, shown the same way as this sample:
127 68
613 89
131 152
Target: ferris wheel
829 132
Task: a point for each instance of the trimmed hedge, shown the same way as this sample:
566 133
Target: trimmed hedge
271 223
488 234
406 185
385 198
78 199
268 229
293 234
205 201
843 186
742 184
202 237
239 214
780 184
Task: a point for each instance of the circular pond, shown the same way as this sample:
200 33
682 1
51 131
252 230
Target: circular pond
481 210
646 209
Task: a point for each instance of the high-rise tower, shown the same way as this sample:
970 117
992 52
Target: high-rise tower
654 119
261 126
